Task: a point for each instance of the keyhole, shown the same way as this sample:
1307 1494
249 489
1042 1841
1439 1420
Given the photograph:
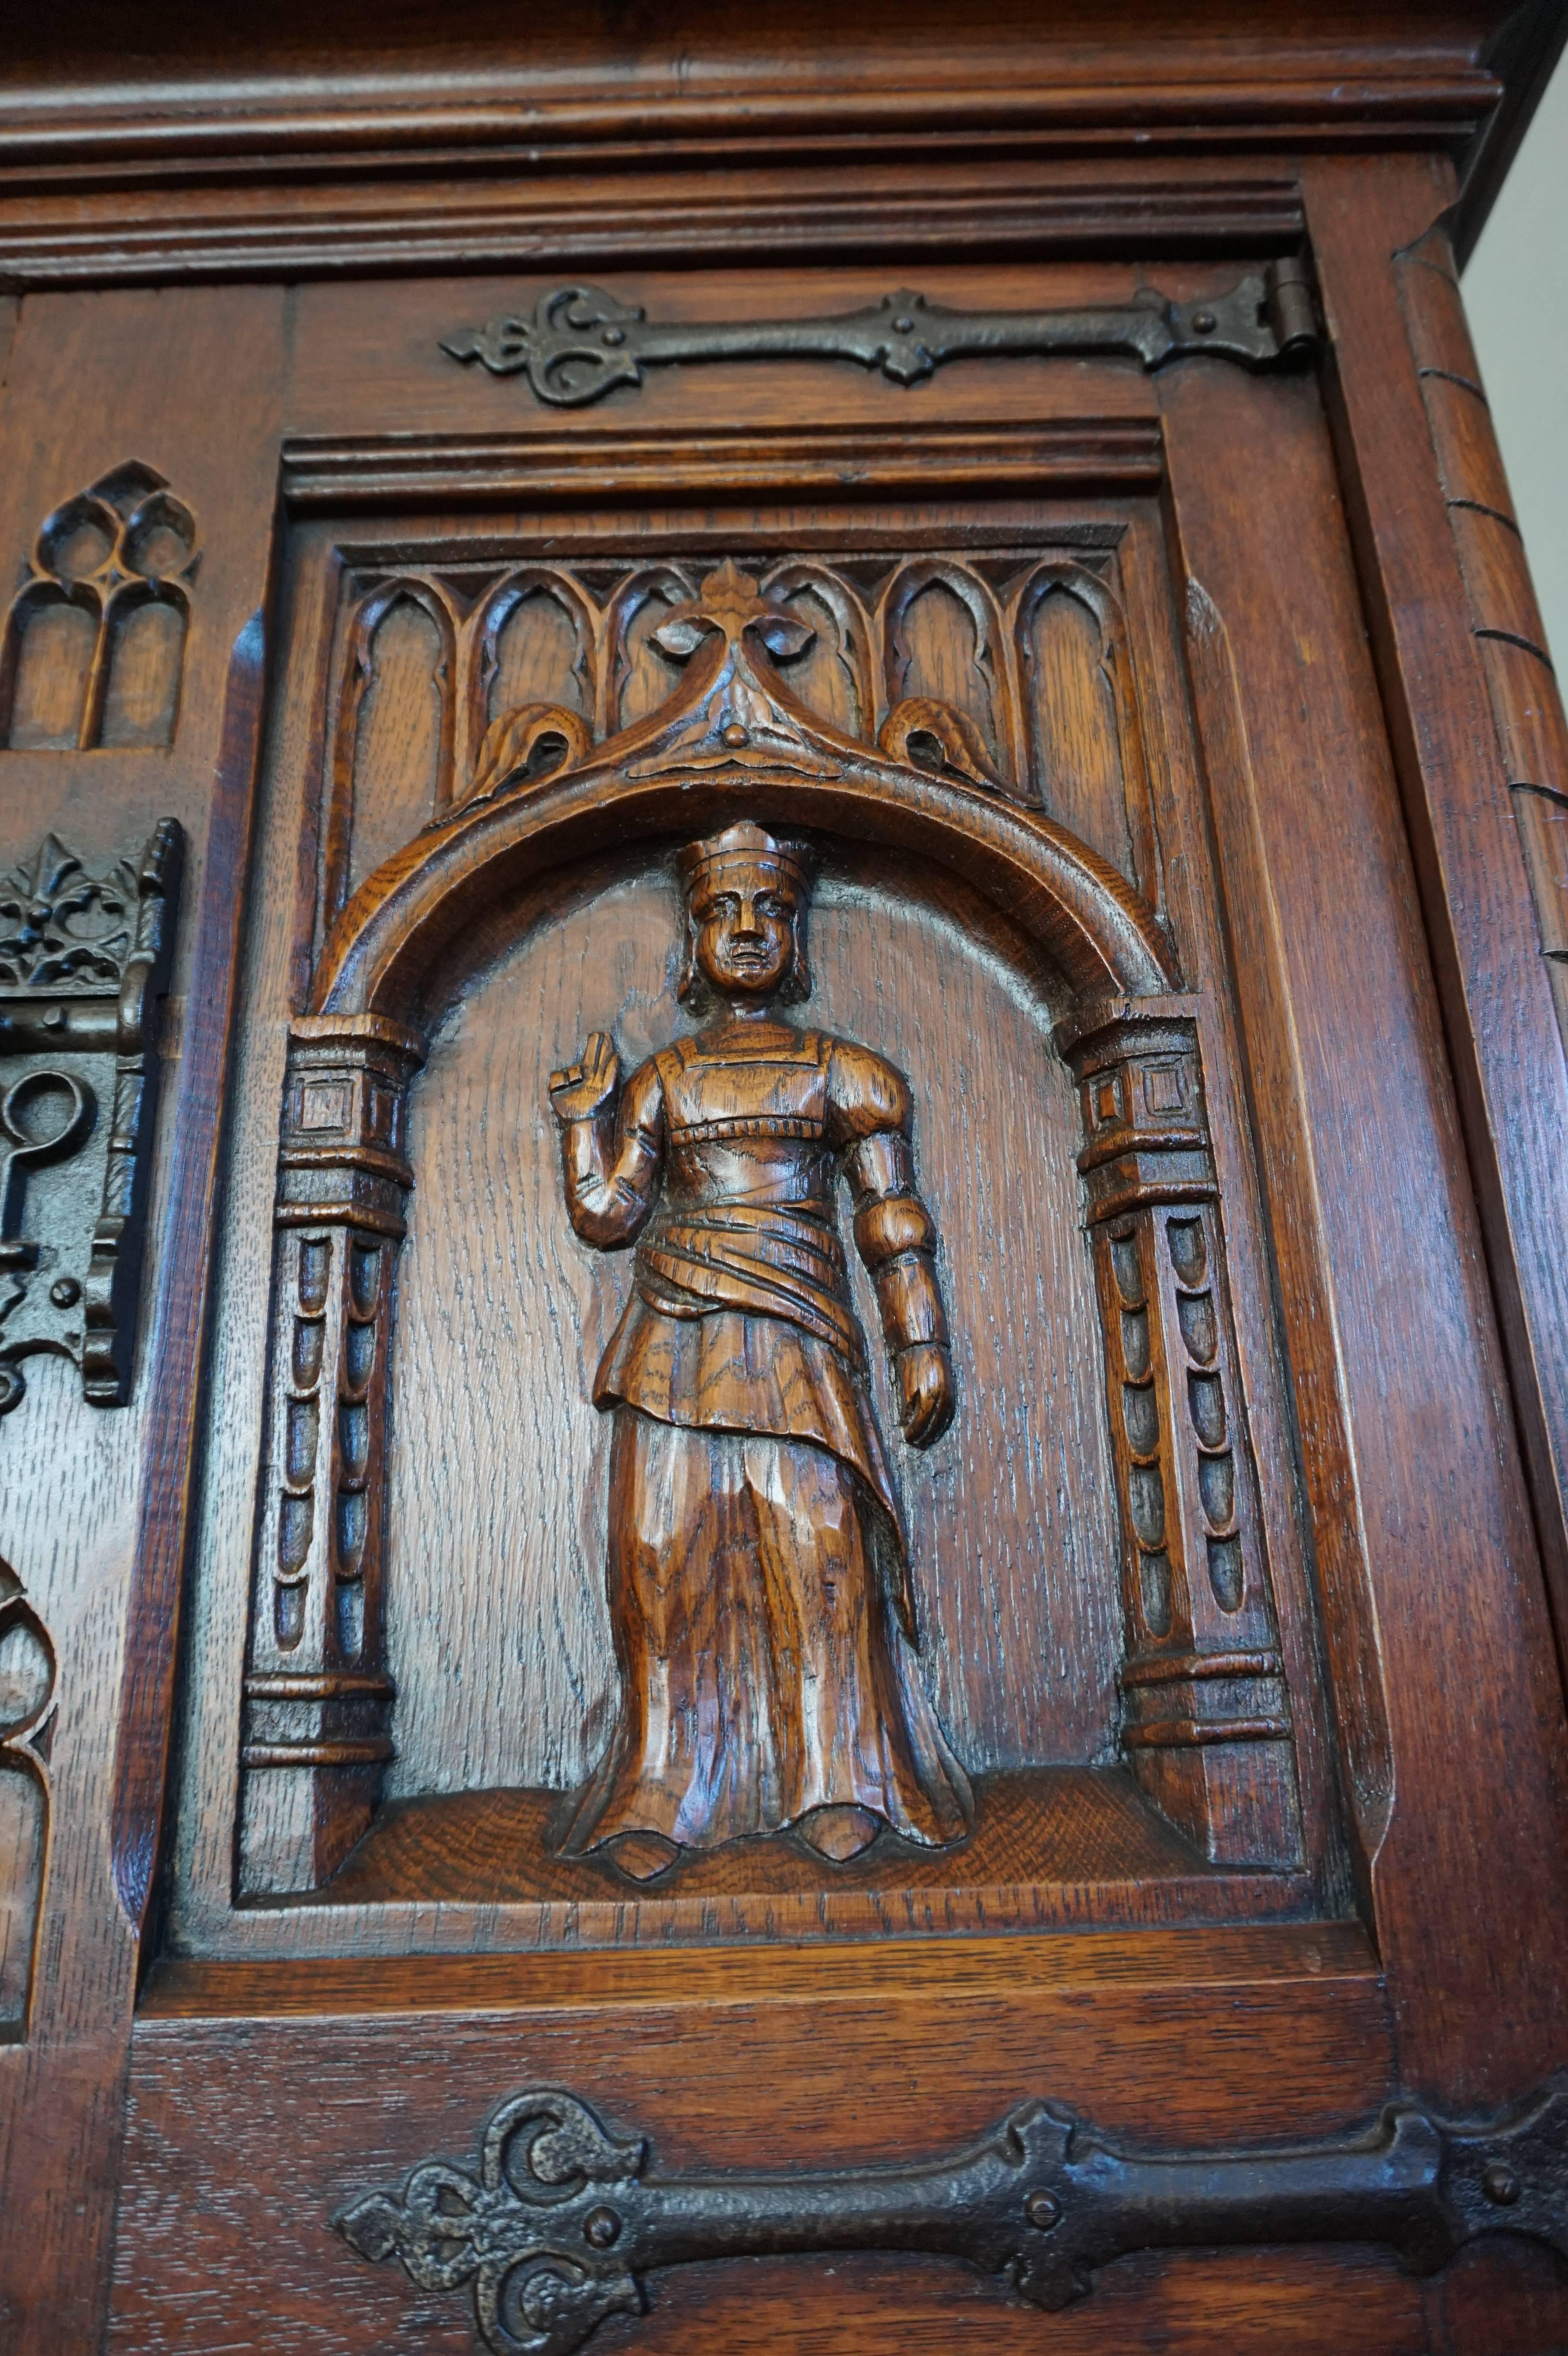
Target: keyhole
44 1117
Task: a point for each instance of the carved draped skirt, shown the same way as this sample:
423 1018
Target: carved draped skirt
754 1582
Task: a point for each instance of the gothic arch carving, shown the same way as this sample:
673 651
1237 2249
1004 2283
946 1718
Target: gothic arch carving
93 650
360 680
737 741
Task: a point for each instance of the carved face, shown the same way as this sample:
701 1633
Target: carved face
743 921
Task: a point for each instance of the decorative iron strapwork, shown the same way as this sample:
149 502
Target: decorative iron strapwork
563 2220
578 343
83 961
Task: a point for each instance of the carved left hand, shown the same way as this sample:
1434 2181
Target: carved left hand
925 1386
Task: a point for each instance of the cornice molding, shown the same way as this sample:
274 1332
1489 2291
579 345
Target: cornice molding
278 155
313 226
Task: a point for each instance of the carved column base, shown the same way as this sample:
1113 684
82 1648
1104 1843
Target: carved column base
1208 1737
313 1751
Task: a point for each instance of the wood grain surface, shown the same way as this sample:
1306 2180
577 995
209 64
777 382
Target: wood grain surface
233 2182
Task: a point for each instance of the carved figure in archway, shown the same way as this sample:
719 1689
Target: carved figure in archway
758 1572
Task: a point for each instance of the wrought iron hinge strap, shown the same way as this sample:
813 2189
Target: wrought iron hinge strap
563 2220
579 342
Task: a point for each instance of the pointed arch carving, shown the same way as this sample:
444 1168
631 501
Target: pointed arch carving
359 676
1076 906
667 581
27 1720
482 649
1059 577
969 590
92 650
854 651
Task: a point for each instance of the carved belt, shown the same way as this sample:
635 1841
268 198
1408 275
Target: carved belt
763 1260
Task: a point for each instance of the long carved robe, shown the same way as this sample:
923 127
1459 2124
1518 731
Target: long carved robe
758 1578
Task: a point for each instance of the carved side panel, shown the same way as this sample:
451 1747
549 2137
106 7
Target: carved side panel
1526 707
82 962
317 1696
26 1738
1206 1726
94 641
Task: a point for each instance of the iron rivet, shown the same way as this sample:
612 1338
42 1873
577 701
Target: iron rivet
600 2227
1204 323
1500 2185
613 336
903 327
65 1292
735 733
1044 2209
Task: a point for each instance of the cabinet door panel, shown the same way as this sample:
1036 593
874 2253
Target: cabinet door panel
822 1450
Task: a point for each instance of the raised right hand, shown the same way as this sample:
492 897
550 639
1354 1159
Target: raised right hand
578 1090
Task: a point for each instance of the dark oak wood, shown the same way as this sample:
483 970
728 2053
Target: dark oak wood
1181 776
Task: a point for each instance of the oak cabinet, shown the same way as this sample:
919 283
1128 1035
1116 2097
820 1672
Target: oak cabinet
782 1067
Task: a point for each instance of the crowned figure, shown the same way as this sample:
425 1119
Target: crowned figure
758 1575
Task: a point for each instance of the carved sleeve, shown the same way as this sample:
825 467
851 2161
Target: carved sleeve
869 1121
611 1163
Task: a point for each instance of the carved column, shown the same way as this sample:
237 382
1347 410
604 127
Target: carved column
1206 1725
317 1696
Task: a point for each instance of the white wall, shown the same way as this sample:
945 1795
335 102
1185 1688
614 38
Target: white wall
1516 291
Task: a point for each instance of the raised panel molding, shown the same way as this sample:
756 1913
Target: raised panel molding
1206 1725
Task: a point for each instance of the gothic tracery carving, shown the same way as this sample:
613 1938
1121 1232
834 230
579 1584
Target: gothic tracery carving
94 641
523 673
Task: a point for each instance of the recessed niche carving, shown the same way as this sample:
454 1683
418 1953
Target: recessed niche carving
94 640
432 1674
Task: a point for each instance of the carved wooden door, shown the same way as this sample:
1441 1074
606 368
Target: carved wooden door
815 1614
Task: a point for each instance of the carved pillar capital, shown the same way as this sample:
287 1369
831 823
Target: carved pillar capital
340 1153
